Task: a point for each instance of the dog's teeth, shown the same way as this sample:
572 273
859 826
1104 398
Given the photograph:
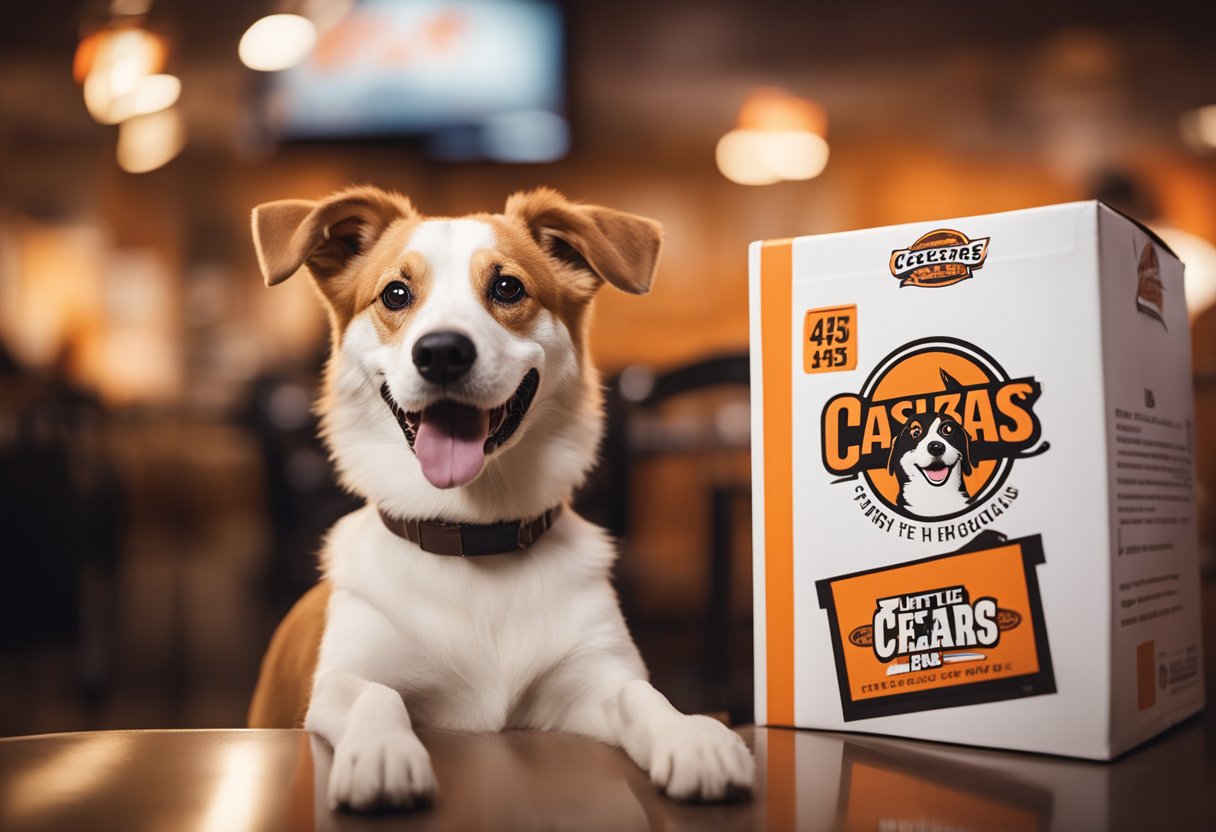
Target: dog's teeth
408 426
507 417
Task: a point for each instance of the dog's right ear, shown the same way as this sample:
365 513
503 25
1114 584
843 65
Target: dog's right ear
323 235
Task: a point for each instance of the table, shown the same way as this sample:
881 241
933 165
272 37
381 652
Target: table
227 781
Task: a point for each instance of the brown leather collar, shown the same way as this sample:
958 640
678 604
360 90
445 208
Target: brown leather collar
471 539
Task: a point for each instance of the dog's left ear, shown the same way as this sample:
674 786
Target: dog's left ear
620 248
323 235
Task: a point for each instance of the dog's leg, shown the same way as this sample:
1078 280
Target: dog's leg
378 759
688 757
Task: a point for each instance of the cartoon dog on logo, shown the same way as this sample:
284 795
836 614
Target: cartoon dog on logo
929 459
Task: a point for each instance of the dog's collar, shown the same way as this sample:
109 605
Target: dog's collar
471 539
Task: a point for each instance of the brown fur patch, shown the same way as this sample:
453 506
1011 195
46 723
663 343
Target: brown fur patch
284 686
412 270
564 291
486 268
357 289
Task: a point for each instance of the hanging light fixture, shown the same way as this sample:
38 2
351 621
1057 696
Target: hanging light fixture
119 66
1198 127
779 137
148 142
277 42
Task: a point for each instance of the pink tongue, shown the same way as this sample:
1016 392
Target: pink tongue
451 443
938 475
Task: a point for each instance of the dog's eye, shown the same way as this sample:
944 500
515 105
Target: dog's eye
396 295
915 431
947 429
507 289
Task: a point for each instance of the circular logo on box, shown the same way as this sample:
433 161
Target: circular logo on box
935 429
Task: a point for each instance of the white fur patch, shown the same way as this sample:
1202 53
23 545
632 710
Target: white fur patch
452 305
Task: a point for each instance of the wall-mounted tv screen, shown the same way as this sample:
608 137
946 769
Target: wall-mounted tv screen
474 78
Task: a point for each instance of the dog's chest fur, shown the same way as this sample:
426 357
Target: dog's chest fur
468 642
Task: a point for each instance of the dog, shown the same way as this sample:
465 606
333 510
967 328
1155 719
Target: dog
929 459
460 401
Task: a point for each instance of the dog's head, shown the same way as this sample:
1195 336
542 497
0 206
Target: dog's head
930 445
459 385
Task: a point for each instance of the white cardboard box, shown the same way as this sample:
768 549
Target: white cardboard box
973 482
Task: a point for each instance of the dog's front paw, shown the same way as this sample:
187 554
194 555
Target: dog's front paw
701 759
390 770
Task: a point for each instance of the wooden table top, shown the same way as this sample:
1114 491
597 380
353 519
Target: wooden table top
227 781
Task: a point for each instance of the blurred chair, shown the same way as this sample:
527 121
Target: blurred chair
698 413
302 493
62 515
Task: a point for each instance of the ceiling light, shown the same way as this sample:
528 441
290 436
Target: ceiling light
742 157
276 42
148 142
779 137
1199 257
113 64
1199 127
796 155
155 93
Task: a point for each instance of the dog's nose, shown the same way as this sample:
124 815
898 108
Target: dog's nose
443 357
936 448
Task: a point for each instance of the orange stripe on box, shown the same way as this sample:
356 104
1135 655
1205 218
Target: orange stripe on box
777 348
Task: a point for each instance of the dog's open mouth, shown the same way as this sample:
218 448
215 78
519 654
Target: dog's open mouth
936 472
452 440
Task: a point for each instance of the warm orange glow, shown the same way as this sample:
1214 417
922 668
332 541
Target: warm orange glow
1198 127
148 142
277 42
96 313
763 157
773 109
112 64
53 305
780 137
74 772
1199 256
86 54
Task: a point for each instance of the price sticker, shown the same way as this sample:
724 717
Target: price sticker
829 340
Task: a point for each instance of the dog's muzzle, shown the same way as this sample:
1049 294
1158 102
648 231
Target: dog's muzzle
452 439
936 472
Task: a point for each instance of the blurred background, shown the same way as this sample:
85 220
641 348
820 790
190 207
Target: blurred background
162 494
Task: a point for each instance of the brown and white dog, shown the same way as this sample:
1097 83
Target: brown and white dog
461 402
